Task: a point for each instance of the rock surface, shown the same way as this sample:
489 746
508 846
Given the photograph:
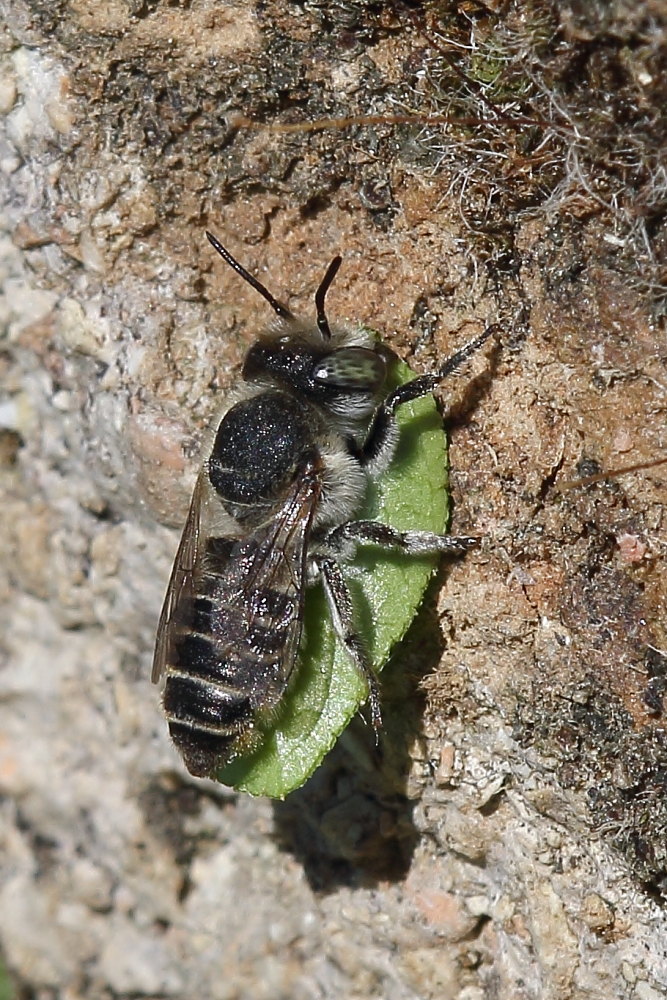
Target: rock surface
509 840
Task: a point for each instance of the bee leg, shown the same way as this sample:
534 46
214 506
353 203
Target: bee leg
377 450
344 539
342 615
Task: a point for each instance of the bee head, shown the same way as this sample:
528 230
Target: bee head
345 379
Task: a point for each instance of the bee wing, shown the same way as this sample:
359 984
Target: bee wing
259 580
180 588
278 569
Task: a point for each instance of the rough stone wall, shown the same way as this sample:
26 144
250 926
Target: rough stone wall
509 840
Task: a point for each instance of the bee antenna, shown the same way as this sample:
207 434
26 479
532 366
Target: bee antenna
277 307
320 295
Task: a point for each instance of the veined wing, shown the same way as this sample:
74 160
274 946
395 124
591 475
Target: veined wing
180 590
233 627
253 590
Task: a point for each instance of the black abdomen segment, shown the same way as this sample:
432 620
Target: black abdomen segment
205 721
225 665
209 702
194 702
200 749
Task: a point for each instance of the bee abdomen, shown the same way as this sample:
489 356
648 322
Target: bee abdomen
201 750
200 656
202 705
205 720
222 667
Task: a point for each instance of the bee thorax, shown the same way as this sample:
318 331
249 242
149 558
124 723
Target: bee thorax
257 448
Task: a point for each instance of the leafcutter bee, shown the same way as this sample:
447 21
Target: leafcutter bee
311 423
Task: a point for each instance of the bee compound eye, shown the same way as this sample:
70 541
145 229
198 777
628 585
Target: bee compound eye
351 368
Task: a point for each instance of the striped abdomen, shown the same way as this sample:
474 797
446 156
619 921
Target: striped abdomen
232 651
